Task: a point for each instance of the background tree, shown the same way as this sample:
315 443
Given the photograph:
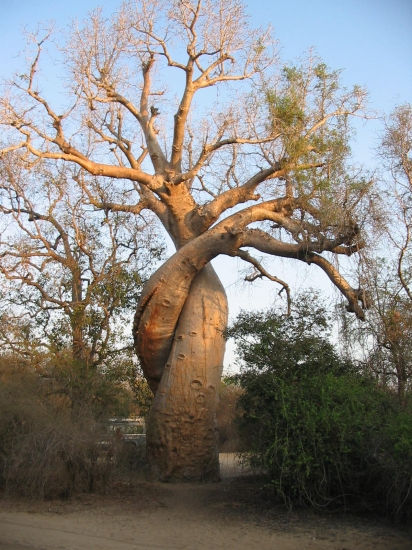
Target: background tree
396 151
72 274
262 165
386 337
395 325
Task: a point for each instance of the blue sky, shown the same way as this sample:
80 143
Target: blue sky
370 40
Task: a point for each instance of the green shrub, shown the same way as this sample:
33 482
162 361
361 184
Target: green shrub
329 440
323 434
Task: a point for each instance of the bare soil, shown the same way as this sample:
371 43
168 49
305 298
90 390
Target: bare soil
146 515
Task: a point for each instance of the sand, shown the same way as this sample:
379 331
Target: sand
193 516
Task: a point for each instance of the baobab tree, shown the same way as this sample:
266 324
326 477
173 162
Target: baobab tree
259 163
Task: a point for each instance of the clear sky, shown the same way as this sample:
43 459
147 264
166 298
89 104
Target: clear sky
371 40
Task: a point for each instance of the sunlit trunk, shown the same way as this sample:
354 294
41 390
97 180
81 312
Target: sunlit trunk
181 431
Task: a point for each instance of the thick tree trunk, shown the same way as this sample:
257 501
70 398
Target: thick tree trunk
179 337
181 431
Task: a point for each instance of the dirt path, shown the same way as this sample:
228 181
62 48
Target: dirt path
183 517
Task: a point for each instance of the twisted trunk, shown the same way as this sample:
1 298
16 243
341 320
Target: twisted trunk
179 337
182 436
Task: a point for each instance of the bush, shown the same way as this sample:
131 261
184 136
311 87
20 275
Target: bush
48 447
85 389
324 434
329 440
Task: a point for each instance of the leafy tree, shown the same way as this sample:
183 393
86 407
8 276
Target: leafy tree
263 165
290 345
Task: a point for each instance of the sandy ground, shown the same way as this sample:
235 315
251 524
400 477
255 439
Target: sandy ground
158 516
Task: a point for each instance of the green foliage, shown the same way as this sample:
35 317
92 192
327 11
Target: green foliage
323 434
142 394
301 99
307 111
286 110
289 344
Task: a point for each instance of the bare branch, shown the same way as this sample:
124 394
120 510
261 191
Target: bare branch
265 243
261 272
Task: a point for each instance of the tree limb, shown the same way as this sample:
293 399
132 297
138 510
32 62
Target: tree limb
261 272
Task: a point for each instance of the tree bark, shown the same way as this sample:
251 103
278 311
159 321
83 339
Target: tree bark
181 431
